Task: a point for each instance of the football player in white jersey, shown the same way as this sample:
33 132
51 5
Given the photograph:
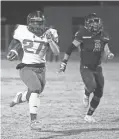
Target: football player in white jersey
34 39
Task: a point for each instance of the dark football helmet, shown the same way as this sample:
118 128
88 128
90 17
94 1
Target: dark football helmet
36 22
93 23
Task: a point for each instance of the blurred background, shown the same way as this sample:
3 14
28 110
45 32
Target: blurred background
65 16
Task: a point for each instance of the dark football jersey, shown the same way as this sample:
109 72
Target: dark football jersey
92 46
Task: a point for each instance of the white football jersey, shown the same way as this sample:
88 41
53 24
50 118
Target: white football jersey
34 47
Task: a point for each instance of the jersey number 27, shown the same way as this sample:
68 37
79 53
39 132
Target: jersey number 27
32 47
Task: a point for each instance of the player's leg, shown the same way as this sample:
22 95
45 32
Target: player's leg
89 82
34 78
97 93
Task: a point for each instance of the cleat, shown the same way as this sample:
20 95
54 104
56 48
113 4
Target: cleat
86 101
89 119
12 104
35 125
16 100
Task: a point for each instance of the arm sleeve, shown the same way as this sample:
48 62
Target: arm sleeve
70 49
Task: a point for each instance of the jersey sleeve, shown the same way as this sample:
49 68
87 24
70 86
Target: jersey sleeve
77 38
18 33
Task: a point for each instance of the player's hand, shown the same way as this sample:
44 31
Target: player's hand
62 67
49 36
110 56
11 55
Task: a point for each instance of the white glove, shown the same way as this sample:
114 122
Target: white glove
49 35
110 56
12 55
62 67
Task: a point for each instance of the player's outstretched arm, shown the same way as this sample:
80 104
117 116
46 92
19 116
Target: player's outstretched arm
75 44
13 49
66 58
64 63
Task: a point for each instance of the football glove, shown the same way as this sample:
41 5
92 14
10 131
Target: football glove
49 36
11 55
62 67
110 56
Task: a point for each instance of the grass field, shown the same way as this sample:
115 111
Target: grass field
61 110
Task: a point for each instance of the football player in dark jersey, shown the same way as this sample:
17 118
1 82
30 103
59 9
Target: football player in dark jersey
92 43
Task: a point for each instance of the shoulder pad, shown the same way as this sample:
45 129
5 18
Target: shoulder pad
20 26
19 31
16 26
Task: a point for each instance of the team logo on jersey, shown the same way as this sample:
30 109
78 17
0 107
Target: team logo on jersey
97 45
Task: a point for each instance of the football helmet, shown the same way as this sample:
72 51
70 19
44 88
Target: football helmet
93 23
36 22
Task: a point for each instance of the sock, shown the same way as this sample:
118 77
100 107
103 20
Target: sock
23 98
90 111
33 116
33 105
93 105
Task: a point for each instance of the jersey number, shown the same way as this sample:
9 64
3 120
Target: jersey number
29 46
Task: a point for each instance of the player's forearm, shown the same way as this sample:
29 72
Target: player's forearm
68 53
66 58
54 47
14 46
107 53
107 50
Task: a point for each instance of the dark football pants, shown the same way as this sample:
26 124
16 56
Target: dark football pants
34 79
93 80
